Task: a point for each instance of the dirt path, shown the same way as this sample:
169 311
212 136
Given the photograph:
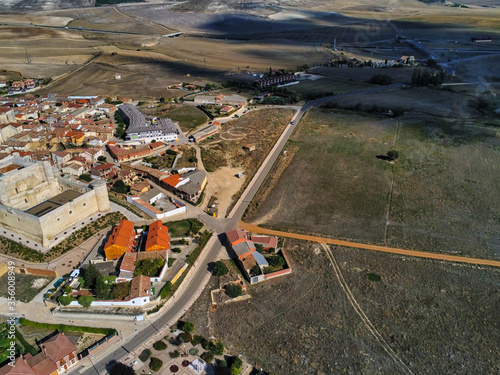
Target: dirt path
413 253
357 308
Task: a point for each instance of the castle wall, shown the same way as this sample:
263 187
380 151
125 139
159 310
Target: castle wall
20 222
27 187
62 218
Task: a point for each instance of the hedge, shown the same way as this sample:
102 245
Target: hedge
67 328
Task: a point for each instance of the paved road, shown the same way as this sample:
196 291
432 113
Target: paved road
198 277
419 254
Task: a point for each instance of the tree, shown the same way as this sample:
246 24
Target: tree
85 177
174 354
102 159
193 159
276 261
207 357
65 300
188 327
108 100
381 79
162 100
197 339
186 337
259 247
121 369
119 132
85 301
219 269
90 276
120 290
255 270
392 155
144 356
236 366
160 345
120 187
218 348
101 288
234 290
155 364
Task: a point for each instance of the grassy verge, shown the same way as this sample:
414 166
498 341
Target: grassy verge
66 328
16 250
183 228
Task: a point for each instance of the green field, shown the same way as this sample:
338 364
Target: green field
440 195
182 228
188 117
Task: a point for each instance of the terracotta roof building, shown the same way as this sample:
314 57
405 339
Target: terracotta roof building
236 236
158 237
140 287
120 241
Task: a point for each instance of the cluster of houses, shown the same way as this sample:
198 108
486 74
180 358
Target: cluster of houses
124 250
19 86
254 263
57 356
46 122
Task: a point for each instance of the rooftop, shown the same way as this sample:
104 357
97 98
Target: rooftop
53 203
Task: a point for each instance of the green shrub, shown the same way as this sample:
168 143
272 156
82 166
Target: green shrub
155 364
207 357
85 301
65 300
373 277
160 345
174 354
234 290
144 356
219 269
186 337
165 290
188 327
217 348
193 351
66 328
197 339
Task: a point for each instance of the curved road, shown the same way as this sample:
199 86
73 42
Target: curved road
197 278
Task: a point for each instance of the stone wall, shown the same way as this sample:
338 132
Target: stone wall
29 186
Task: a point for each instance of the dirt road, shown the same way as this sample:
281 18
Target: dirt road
413 253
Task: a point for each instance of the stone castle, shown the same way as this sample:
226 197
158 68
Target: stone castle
40 207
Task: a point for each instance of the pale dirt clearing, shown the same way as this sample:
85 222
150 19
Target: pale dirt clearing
223 184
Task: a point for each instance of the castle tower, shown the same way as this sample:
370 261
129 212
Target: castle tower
101 195
49 175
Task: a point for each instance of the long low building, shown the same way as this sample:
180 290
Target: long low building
206 132
144 128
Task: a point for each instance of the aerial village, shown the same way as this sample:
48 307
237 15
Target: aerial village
67 163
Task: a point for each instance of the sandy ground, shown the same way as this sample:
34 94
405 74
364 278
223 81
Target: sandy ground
223 184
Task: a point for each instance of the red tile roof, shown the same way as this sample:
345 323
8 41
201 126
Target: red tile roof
236 236
157 237
58 347
20 368
173 180
139 287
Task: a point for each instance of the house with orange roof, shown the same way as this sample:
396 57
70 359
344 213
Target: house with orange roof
57 356
61 351
158 237
120 241
21 367
236 236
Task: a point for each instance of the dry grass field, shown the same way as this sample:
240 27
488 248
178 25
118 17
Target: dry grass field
437 317
443 198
